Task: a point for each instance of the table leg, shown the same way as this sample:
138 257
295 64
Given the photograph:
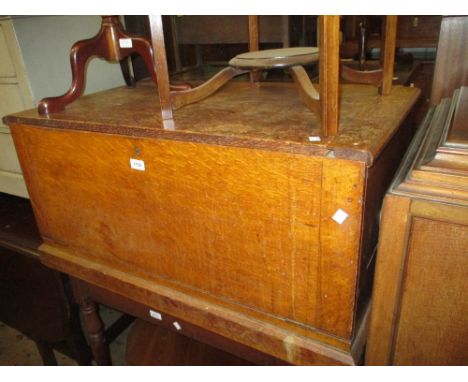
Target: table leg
94 327
46 352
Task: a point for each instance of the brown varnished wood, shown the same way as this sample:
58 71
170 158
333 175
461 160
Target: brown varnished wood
94 327
34 299
262 335
395 224
175 43
329 30
444 280
305 229
292 58
160 67
419 310
420 31
309 95
337 242
420 317
458 135
379 178
19 230
104 45
185 97
226 190
383 77
359 74
285 31
194 332
238 115
254 43
151 345
275 58
199 29
371 77
450 70
196 32
388 53
229 228
441 167
315 303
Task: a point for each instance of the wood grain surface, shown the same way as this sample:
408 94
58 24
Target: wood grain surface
151 345
329 73
419 301
388 53
255 245
450 70
271 117
160 67
231 224
434 304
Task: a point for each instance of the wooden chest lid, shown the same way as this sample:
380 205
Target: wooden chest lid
269 117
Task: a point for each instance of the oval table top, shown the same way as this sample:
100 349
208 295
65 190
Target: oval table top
276 58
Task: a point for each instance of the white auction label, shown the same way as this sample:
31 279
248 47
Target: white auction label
137 164
177 325
340 216
125 42
155 314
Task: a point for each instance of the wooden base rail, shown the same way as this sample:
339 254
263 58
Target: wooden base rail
370 77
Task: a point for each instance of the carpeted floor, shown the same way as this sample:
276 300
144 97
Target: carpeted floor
18 350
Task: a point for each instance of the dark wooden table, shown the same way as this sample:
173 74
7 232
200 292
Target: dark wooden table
89 296
35 299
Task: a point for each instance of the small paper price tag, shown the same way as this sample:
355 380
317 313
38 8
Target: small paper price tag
177 325
137 164
125 42
155 314
340 216
314 139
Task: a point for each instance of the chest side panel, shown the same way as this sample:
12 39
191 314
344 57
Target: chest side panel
237 223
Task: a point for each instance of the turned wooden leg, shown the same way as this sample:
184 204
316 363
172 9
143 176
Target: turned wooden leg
125 68
94 327
77 343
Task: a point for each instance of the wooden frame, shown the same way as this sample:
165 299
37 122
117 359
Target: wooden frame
326 101
382 77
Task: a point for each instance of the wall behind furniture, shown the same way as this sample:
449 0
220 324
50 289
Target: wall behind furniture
35 63
45 43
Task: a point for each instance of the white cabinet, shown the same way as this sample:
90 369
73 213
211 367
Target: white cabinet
15 95
34 63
